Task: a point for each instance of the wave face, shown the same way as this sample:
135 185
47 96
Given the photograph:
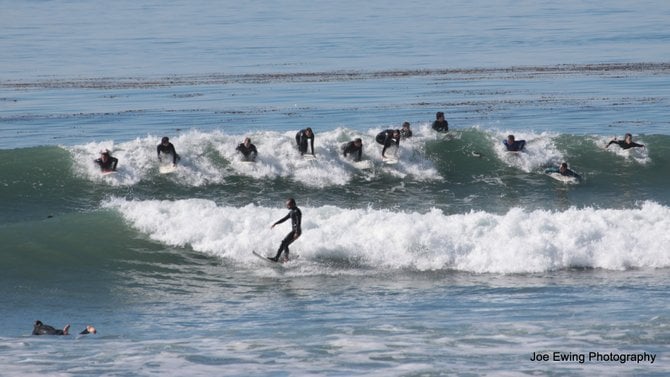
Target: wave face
467 171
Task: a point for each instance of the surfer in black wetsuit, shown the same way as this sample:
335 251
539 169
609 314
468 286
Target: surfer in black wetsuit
405 131
166 147
41 329
248 150
626 143
296 218
564 171
106 161
387 138
440 124
513 145
354 148
301 139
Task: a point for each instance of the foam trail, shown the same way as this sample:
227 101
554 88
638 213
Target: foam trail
516 242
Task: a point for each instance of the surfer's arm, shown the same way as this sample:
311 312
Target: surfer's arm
115 161
311 142
288 216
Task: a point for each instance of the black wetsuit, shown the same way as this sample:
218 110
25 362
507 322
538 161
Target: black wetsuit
624 145
167 149
249 153
515 146
386 139
296 218
42 329
351 148
441 126
301 139
566 173
405 133
108 165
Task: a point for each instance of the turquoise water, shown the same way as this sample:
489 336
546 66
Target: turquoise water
460 260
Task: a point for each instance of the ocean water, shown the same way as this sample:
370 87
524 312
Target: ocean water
462 259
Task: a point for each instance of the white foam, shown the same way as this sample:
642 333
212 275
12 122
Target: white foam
516 242
539 151
639 155
211 157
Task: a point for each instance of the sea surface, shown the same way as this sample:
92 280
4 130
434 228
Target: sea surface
461 259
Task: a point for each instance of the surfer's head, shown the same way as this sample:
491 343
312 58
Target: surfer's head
165 140
290 203
439 115
358 142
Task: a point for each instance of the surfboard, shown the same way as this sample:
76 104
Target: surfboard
108 172
280 262
563 178
390 160
308 157
167 169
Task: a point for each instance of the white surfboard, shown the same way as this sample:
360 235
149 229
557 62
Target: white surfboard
108 172
563 178
308 157
167 169
390 160
281 262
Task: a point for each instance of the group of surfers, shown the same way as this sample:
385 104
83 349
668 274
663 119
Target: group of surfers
513 145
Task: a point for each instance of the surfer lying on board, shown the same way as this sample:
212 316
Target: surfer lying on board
248 150
41 329
106 161
354 148
301 139
514 145
296 218
440 124
387 138
166 147
626 143
564 171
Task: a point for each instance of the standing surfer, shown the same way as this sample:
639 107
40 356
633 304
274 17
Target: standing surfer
301 139
296 218
388 138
